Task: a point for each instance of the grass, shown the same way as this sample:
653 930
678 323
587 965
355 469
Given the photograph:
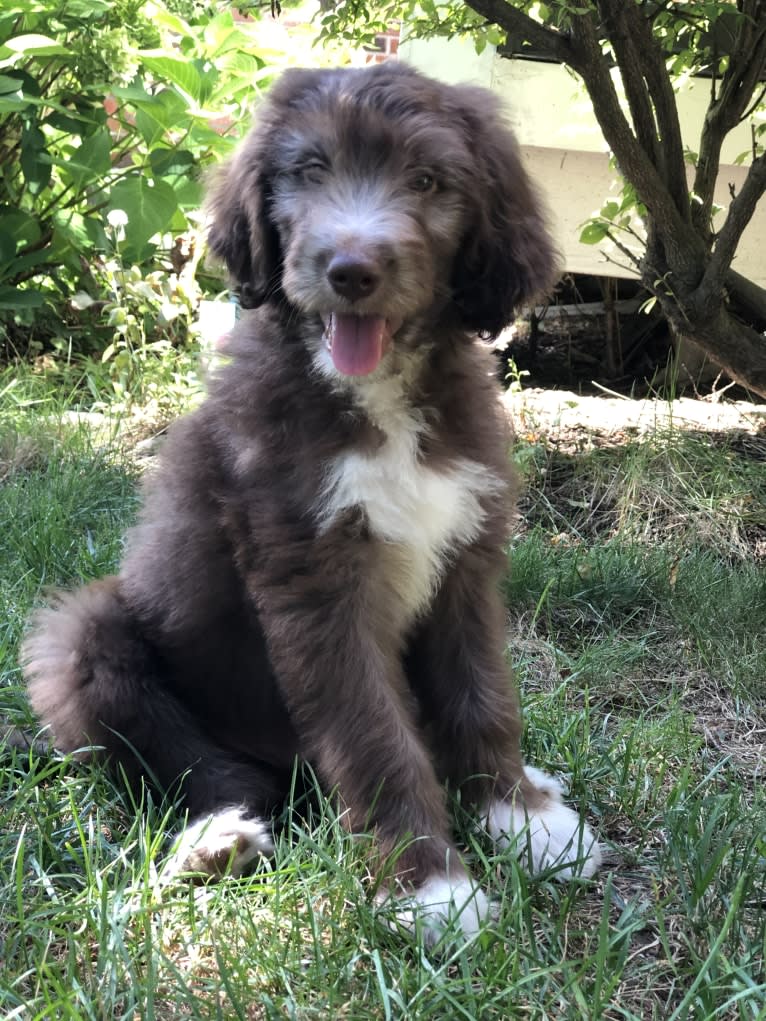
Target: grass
637 598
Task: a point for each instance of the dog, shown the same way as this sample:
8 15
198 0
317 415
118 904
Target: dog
315 570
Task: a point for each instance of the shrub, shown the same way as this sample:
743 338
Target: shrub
109 113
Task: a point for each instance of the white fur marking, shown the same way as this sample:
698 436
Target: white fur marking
362 215
227 841
552 838
425 511
442 902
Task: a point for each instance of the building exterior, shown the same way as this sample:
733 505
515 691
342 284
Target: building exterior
565 151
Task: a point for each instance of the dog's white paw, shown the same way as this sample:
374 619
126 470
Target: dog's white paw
443 904
225 843
554 837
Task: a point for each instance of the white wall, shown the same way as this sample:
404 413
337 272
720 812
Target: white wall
565 151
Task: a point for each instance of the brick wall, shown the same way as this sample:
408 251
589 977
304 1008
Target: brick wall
386 46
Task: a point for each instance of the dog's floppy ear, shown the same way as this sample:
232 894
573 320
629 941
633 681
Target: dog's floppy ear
241 232
507 256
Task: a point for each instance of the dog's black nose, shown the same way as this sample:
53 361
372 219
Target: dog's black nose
353 277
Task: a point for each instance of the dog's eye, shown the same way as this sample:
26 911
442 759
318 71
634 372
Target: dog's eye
313 171
424 182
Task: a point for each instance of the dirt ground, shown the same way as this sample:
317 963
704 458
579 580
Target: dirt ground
566 418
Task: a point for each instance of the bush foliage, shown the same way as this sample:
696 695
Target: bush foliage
109 114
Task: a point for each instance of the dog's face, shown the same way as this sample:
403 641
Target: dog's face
369 214
370 199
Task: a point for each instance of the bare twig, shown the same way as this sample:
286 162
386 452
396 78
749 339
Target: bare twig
740 213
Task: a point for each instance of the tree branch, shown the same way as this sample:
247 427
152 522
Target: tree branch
549 40
582 52
746 65
633 161
665 107
755 104
706 174
618 32
630 256
34 271
740 213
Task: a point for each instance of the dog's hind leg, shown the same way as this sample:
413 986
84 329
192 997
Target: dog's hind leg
97 683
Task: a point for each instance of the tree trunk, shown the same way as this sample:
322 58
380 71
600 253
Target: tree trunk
733 345
706 316
749 298
685 266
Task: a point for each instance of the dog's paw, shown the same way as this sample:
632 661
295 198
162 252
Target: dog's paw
225 843
552 836
452 906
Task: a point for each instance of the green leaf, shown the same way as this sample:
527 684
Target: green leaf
29 84
23 228
91 160
75 234
629 197
182 73
166 19
93 229
21 263
12 298
35 161
164 112
189 193
222 35
133 93
202 136
88 9
179 223
70 123
149 206
35 46
12 104
593 232
7 246
9 84
165 162
610 210
150 129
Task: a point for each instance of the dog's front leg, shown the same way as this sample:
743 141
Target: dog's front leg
457 665
339 670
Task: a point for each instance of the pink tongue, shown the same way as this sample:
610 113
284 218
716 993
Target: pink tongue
356 343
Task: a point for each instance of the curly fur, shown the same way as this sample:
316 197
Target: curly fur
315 570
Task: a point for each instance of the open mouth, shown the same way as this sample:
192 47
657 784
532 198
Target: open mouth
357 344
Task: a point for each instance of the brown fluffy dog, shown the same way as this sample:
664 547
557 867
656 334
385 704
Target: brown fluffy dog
315 571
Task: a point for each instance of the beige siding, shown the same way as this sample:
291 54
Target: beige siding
566 153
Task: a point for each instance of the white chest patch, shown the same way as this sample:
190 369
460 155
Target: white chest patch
425 513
